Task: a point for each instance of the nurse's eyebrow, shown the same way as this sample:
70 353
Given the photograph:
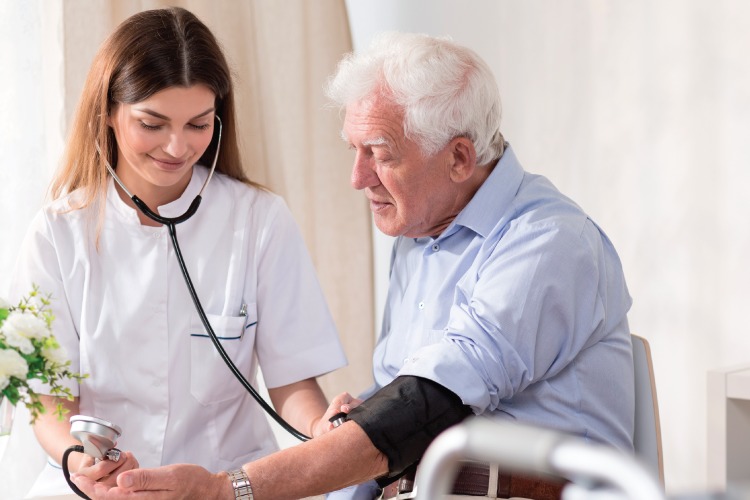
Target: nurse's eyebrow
166 118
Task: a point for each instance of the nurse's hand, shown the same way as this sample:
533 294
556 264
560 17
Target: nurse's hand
344 402
181 481
106 471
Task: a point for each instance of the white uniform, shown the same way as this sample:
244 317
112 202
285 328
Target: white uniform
125 316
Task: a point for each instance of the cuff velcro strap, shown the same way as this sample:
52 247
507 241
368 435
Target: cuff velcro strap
405 416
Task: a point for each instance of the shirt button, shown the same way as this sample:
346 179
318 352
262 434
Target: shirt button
435 247
421 305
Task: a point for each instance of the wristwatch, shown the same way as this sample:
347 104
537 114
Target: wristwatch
241 484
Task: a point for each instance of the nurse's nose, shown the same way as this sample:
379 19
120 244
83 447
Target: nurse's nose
177 145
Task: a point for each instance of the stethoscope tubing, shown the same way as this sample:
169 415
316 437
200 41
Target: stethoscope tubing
220 348
171 223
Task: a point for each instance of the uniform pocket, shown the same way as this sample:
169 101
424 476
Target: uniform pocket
211 380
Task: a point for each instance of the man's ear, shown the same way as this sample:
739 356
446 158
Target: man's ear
463 158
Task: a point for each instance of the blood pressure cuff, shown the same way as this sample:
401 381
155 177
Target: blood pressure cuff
403 418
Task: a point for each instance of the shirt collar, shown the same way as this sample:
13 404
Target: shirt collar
172 209
493 197
181 204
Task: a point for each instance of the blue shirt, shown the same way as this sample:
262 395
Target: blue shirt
520 308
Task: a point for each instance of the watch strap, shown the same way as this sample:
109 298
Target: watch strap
241 484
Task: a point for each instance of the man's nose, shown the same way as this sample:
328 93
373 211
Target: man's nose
363 173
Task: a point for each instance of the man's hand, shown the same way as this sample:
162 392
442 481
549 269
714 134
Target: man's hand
181 481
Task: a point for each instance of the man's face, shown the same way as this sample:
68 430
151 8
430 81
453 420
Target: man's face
410 194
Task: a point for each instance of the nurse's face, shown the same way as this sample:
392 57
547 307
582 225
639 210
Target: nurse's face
160 139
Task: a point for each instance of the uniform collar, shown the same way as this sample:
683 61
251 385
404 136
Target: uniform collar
172 209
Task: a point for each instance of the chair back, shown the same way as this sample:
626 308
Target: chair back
647 436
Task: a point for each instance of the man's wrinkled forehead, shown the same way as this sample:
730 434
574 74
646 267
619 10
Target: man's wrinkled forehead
373 122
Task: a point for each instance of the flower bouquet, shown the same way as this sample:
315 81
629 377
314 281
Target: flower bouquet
28 350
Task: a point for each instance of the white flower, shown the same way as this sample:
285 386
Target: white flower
11 365
26 334
25 324
21 343
55 355
20 327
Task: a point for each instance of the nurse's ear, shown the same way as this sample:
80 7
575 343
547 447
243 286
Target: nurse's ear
111 112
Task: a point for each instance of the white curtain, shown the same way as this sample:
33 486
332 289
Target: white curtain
31 128
639 111
31 138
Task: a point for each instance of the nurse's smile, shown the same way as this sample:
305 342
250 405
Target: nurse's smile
159 140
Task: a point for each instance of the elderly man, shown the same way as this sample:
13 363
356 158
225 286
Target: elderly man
505 299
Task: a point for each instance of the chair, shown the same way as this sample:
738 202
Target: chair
647 436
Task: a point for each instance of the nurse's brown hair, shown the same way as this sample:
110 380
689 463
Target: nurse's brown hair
148 52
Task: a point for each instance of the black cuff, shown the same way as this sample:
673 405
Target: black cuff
403 418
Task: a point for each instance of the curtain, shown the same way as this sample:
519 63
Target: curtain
282 54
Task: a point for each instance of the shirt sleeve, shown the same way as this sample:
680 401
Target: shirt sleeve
297 338
520 316
38 264
364 491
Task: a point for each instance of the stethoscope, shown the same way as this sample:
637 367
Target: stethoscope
171 222
99 436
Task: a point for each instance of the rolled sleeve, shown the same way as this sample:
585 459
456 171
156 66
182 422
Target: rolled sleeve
521 318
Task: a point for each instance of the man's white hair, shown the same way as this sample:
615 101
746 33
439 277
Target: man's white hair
444 89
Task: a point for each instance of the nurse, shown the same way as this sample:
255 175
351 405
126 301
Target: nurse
123 312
